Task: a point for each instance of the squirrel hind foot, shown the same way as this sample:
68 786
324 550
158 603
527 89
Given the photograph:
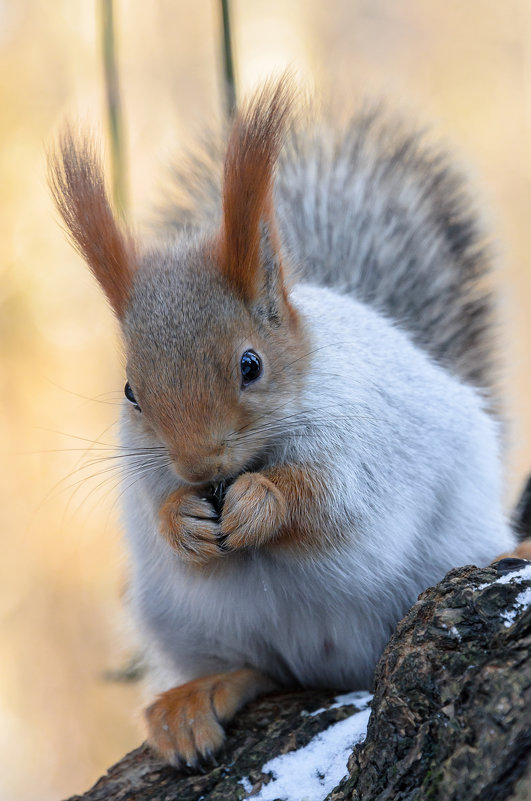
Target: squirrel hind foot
185 723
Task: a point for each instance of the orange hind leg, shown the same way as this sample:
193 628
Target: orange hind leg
185 723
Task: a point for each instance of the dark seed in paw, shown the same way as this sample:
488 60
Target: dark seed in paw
221 542
217 496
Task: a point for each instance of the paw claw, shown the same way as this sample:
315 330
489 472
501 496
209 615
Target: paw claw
211 758
206 761
177 763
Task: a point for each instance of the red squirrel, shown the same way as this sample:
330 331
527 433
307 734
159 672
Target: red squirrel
307 405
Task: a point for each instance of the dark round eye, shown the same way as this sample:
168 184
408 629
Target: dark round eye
128 392
250 366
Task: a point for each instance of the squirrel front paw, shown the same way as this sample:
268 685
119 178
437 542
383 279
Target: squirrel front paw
190 524
253 512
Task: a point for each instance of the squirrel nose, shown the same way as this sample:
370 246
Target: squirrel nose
200 468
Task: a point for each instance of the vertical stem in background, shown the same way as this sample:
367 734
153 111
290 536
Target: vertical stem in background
228 63
114 109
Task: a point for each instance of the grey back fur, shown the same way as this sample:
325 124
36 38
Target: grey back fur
373 210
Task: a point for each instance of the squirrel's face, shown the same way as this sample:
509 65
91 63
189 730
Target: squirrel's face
215 351
208 374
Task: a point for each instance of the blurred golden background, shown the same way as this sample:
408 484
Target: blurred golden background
463 67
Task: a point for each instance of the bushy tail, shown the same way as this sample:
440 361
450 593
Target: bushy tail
377 213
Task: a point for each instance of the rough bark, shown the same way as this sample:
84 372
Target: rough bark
269 727
451 716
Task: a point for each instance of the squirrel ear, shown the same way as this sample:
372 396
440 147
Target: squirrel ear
78 188
242 252
271 300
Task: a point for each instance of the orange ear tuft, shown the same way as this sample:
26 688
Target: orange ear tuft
254 145
78 187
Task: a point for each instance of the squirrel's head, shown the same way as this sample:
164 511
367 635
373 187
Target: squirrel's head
215 350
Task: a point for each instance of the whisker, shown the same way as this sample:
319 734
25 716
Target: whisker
93 399
128 487
280 427
311 352
120 463
137 470
97 441
296 414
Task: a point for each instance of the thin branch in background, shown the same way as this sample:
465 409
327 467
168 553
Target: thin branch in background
228 61
120 193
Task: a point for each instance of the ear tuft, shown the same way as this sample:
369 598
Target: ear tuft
253 148
78 188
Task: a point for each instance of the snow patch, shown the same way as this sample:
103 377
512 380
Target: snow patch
521 602
313 771
359 698
516 577
247 785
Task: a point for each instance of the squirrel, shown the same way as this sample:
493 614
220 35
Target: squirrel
309 407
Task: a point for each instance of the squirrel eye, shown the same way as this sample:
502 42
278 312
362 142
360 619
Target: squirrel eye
128 392
250 366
